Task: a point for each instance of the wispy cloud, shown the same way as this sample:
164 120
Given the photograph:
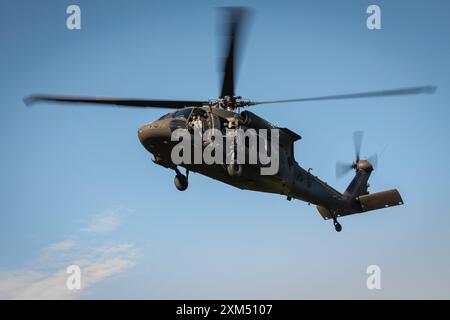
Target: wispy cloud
47 277
63 245
104 222
96 264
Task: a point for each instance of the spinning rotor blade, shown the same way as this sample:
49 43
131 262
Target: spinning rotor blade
233 32
342 169
372 94
138 103
373 159
357 142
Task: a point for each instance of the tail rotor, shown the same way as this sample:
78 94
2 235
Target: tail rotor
343 168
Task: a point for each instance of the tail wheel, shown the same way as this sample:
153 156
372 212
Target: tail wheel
337 227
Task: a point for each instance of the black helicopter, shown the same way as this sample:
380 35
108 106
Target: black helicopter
291 180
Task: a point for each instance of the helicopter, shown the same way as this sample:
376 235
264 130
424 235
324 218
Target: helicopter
223 113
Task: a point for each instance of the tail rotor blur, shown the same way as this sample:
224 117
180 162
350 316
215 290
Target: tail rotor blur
343 168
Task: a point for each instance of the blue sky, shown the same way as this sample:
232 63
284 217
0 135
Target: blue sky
77 186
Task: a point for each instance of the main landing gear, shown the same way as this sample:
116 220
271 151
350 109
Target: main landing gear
234 170
181 180
337 225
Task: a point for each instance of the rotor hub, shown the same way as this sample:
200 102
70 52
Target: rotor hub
230 103
362 165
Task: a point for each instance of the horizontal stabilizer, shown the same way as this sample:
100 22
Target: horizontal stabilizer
380 200
369 202
324 212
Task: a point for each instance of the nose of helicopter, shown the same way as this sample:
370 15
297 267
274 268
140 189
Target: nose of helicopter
153 134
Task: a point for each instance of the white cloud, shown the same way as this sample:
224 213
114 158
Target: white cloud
96 264
46 278
63 245
106 221
33 285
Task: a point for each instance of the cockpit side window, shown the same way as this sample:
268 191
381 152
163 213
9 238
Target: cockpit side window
185 113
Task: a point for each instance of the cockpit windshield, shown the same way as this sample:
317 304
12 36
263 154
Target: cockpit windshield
185 113
168 115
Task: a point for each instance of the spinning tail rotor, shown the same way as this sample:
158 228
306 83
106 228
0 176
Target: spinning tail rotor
343 168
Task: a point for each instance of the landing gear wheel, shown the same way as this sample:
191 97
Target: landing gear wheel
234 170
181 182
337 226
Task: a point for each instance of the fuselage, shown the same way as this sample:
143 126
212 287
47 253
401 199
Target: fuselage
291 180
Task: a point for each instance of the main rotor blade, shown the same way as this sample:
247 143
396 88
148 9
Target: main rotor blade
138 103
371 94
233 33
357 142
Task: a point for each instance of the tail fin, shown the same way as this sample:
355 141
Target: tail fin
358 186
